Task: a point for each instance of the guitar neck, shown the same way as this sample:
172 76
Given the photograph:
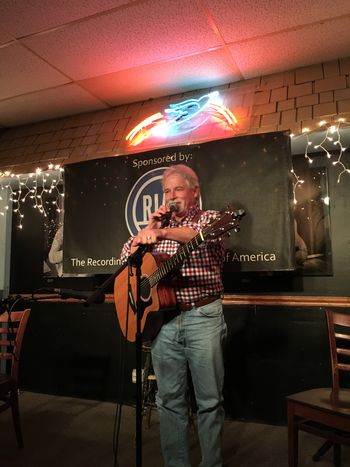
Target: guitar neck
227 220
176 260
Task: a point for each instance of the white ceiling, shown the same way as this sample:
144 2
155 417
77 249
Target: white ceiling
63 57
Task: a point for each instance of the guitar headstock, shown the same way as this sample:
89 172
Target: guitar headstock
228 219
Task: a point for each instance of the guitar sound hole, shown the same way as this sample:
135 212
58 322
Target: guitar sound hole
145 289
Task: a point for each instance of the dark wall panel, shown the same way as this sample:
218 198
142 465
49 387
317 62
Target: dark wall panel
73 350
270 352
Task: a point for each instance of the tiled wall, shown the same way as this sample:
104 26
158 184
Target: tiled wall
288 100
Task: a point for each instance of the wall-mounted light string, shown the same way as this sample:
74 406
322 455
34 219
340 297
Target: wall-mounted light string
297 181
41 187
331 143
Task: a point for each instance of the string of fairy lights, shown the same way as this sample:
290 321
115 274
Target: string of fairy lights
327 139
41 188
297 181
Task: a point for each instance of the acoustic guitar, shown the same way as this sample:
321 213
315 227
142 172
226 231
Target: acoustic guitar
155 292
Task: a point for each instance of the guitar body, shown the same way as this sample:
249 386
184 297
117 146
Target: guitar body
156 292
159 297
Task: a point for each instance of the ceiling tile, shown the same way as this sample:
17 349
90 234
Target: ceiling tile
5 37
144 33
45 105
123 51
25 72
249 19
272 54
23 17
198 71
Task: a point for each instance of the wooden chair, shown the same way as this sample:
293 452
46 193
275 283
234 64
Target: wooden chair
324 412
12 328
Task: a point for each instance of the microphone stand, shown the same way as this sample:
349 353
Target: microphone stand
103 287
134 260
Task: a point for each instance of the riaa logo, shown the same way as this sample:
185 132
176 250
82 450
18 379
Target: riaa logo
144 198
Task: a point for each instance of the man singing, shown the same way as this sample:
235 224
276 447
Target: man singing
195 335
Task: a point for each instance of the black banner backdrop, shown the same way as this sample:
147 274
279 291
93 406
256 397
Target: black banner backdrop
107 200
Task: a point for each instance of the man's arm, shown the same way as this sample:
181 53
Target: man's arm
153 233
149 236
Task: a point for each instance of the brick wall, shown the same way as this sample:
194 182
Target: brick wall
290 100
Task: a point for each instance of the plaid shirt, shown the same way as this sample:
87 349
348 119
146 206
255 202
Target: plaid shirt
200 274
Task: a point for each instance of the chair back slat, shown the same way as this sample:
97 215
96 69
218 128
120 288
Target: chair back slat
4 330
345 337
6 355
6 342
12 330
343 366
339 343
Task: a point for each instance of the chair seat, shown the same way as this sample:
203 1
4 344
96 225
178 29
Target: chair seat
325 399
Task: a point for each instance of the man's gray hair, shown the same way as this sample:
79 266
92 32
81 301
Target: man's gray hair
184 171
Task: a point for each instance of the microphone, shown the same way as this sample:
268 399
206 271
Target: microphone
165 218
80 294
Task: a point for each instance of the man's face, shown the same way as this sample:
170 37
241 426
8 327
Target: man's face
176 190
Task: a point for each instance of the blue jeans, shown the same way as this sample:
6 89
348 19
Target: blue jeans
194 337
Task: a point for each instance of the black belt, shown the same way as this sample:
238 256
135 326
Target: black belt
202 302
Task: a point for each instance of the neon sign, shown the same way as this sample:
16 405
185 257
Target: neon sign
183 117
